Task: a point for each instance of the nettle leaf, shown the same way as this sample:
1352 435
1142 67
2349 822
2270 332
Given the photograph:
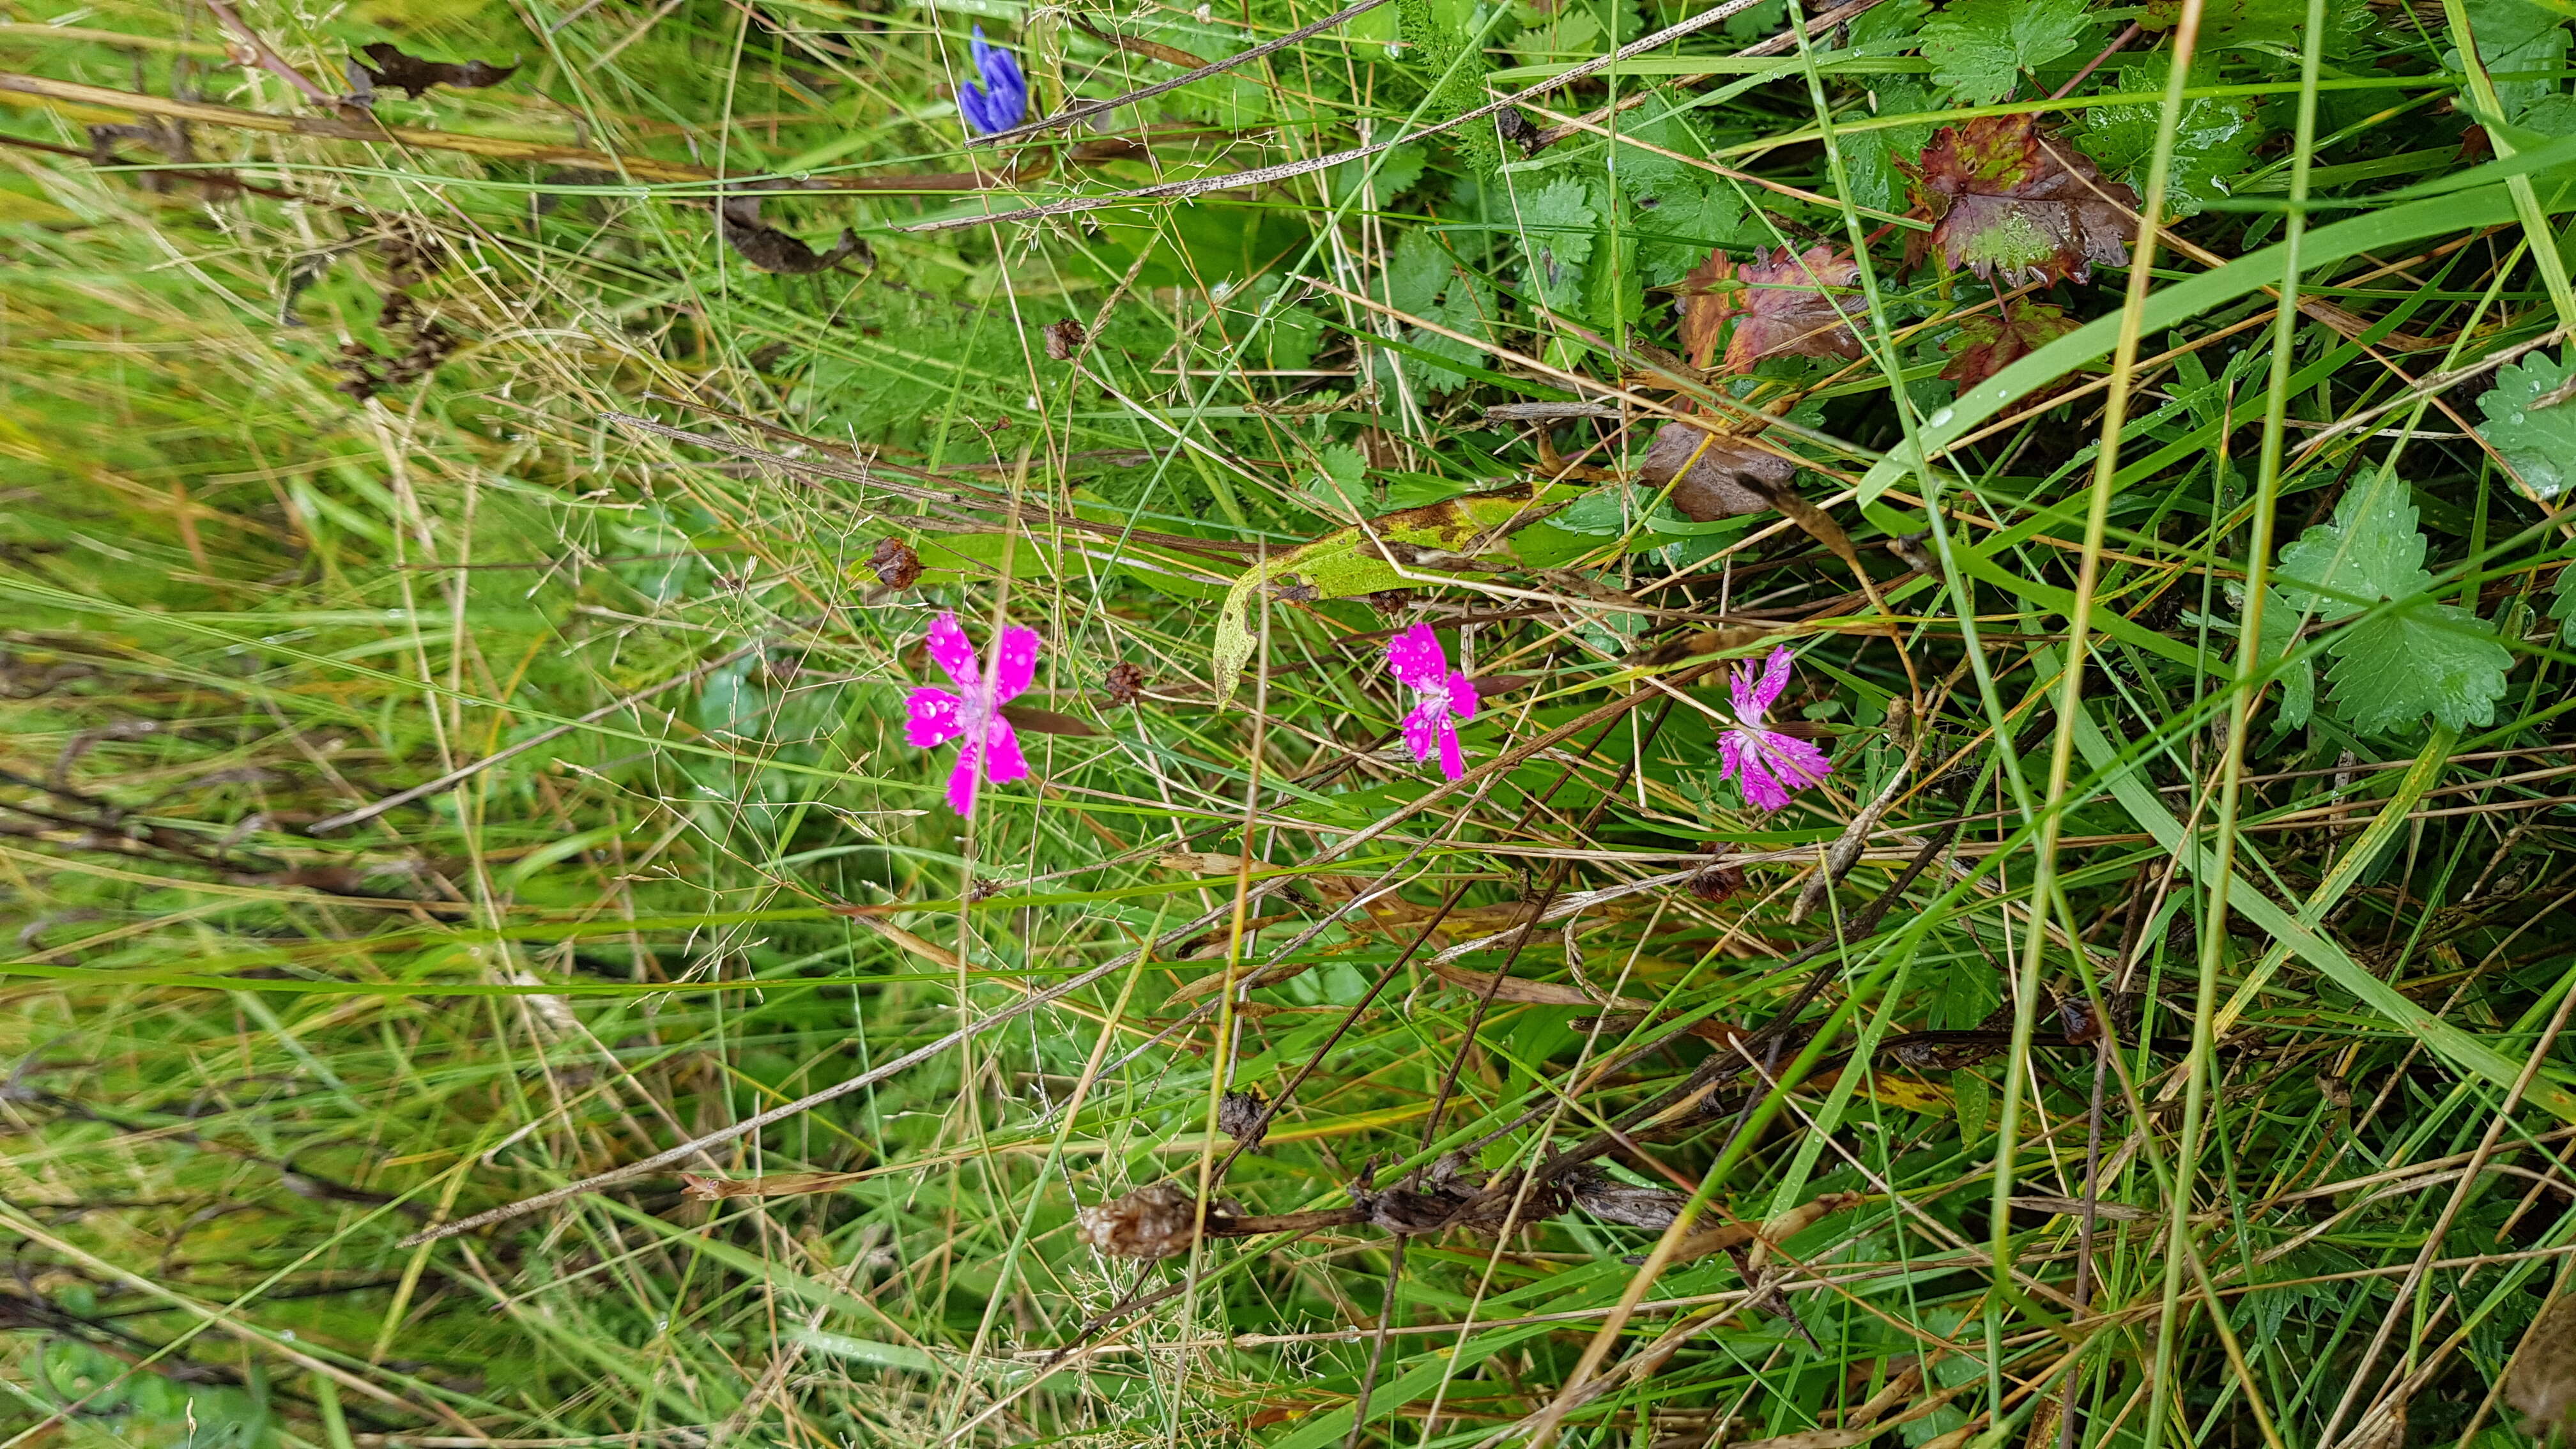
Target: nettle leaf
2531 420
1979 48
2014 200
2400 663
1784 304
1556 230
1987 343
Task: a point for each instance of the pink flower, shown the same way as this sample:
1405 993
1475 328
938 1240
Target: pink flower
1767 763
1439 693
991 750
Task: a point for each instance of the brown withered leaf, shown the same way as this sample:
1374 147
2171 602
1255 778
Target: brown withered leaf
1727 476
1044 721
2011 200
1156 1221
1613 1201
414 76
1987 344
771 250
700 1188
897 566
1239 1116
1783 303
2542 1381
1523 990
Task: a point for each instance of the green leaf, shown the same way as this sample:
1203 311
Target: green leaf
2399 664
1556 231
1469 309
2299 679
1686 221
2419 658
2214 142
2540 442
2562 605
2515 35
2370 551
1870 157
1979 48
1416 272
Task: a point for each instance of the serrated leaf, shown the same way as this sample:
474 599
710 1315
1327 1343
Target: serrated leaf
1986 342
2214 143
1681 225
1784 304
2421 658
1556 231
2017 202
2531 420
1979 48
2411 656
1415 273
1469 308
2368 553
2298 679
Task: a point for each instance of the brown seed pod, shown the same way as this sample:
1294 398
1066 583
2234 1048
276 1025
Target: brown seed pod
1239 1116
1612 1201
2542 1381
1064 339
1124 684
1156 1221
897 566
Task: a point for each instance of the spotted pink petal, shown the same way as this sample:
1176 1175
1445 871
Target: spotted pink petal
1462 697
932 718
1015 663
1003 761
1416 657
953 652
1798 763
1453 763
1753 698
1769 765
1424 728
961 781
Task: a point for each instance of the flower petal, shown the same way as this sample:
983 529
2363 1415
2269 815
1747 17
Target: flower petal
1422 729
1003 761
1761 790
1015 663
1797 762
961 781
1416 657
1774 679
953 652
1462 696
931 718
1452 763
1731 749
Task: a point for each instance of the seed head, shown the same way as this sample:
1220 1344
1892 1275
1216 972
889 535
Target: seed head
1152 1222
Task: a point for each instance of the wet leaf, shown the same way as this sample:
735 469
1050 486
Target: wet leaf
1979 48
2014 201
2531 420
1987 343
1783 304
414 76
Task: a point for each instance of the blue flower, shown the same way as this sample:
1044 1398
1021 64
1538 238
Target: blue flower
1003 98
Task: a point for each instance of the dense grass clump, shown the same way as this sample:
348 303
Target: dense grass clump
1699 750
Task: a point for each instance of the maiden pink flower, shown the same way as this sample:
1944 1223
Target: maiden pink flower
991 750
1439 693
1765 762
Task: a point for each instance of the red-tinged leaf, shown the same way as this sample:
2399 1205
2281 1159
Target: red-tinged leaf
1784 304
1987 344
2012 200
